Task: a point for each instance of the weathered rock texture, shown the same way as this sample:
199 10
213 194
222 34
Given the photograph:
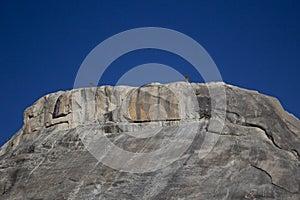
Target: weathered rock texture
256 155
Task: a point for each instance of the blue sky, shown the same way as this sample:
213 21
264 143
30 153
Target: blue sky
255 45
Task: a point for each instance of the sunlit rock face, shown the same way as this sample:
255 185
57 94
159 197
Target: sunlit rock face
153 142
153 103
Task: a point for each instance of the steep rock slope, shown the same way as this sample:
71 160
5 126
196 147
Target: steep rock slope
154 142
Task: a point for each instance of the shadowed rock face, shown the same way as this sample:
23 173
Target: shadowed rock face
256 156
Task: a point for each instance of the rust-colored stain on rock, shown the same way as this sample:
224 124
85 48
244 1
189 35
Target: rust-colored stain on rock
153 104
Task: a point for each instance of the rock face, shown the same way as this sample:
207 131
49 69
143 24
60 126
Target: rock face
153 142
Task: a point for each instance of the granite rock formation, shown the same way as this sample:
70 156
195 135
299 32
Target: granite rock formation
163 130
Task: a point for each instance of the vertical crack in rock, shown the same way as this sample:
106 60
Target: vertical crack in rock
138 105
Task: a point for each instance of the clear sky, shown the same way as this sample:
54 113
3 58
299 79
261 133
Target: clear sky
255 44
